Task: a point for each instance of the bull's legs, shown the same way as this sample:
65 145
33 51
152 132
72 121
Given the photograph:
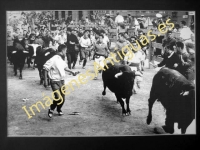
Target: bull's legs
169 122
28 61
20 70
104 90
119 99
127 104
15 69
40 74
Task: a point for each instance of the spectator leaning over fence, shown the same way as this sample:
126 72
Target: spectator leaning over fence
171 58
187 62
55 68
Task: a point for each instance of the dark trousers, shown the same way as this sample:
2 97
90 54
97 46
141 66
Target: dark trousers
56 85
72 58
158 40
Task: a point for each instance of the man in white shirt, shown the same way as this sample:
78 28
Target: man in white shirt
119 20
185 33
106 39
62 38
55 67
135 65
85 44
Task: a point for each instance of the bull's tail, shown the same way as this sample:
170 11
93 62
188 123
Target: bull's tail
153 97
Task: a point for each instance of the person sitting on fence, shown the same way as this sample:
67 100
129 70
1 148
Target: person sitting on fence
185 33
110 22
119 20
130 21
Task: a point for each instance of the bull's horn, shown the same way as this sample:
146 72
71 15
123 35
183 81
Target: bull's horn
14 52
186 93
25 52
118 74
47 53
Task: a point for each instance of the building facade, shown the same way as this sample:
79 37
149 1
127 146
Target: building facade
176 16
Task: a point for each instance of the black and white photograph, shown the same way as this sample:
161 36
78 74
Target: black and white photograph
99 73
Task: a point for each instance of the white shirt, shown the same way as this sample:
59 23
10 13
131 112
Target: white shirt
62 39
84 42
185 33
136 58
55 67
92 37
106 40
119 19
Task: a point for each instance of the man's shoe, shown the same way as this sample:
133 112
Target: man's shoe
50 113
60 113
83 67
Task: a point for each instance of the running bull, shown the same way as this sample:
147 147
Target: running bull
119 79
18 57
42 55
177 95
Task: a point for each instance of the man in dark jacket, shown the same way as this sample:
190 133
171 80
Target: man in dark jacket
169 40
71 53
171 58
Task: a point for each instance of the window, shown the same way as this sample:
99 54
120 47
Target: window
63 14
56 14
69 13
80 14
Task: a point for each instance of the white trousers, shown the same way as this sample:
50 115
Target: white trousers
100 61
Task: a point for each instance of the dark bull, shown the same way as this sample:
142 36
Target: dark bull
177 95
119 79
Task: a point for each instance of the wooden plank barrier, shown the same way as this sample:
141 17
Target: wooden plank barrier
122 30
157 45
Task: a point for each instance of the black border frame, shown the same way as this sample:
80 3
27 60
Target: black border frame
133 142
